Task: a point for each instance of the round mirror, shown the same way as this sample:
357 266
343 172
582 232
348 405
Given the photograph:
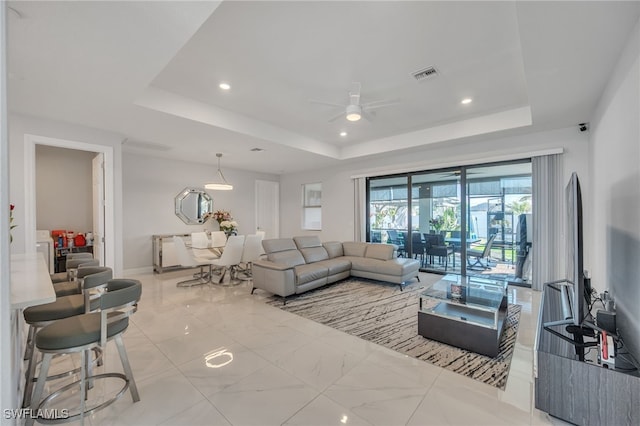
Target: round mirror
192 204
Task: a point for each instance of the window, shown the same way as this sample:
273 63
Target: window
312 206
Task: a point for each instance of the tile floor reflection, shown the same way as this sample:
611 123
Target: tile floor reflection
212 355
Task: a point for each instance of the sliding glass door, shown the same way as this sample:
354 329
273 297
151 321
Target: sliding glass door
500 207
389 214
464 220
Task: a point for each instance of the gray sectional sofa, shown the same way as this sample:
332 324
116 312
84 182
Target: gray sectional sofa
295 265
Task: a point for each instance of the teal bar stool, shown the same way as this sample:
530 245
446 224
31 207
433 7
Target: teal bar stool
92 279
83 333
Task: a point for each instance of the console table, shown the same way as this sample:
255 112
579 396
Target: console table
467 312
164 252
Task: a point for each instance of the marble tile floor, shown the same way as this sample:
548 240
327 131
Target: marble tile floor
214 355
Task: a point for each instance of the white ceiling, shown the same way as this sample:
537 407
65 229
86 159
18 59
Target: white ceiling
150 71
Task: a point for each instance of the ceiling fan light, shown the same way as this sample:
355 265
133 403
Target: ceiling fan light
354 112
221 184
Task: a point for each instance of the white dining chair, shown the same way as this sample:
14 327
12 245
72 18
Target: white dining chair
200 240
230 258
218 241
201 244
189 260
252 251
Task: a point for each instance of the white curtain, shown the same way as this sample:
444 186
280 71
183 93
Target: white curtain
359 209
548 220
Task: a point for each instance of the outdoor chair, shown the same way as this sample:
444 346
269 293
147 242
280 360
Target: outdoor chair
436 246
479 255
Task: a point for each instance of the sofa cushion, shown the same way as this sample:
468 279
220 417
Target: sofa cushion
307 241
354 248
314 254
336 265
288 257
310 272
380 251
278 244
334 249
398 267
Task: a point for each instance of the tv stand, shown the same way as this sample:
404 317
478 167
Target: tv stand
567 387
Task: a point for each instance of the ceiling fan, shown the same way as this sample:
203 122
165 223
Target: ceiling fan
354 110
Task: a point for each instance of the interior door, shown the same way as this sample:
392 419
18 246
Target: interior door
268 208
98 207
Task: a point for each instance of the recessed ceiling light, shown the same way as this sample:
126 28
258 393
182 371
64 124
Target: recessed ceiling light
343 134
224 86
466 101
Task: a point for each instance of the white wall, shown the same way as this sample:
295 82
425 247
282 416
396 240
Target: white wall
19 125
337 185
150 185
615 141
64 192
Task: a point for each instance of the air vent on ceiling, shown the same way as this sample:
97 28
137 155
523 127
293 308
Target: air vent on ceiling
256 149
424 74
145 145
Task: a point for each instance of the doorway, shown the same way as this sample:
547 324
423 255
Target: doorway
108 239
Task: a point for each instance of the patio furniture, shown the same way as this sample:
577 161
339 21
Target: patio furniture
479 255
436 246
418 247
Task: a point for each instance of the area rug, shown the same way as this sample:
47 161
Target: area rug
382 314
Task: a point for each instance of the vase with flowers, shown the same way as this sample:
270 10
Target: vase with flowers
229 227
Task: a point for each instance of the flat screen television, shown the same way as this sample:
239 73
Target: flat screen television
574 289
580 289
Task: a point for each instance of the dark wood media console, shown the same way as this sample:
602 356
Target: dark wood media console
583 393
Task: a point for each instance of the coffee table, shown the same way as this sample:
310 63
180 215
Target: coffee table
467 312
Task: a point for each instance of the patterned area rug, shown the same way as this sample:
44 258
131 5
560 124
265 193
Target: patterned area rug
382 314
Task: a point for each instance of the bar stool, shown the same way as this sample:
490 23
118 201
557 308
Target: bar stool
94 278
70 286
64 276
83 333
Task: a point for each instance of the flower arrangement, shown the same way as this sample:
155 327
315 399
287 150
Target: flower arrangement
11 207
222 215
229 226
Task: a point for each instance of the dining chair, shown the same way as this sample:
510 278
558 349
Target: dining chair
262 235
218 241
200 240
436 246
230 258
201 244
418 247
251 251
189 260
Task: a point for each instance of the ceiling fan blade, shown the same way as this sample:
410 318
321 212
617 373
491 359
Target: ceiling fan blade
315 101
369 116
337 116
380 104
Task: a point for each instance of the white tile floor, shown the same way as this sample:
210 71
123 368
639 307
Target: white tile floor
212 355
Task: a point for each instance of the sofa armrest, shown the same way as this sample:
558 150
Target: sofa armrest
275 278
271 265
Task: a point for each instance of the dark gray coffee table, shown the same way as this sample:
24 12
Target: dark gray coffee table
467 312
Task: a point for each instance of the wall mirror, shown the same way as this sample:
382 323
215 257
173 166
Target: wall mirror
192 204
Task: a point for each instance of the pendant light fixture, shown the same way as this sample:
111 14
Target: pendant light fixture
221 184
